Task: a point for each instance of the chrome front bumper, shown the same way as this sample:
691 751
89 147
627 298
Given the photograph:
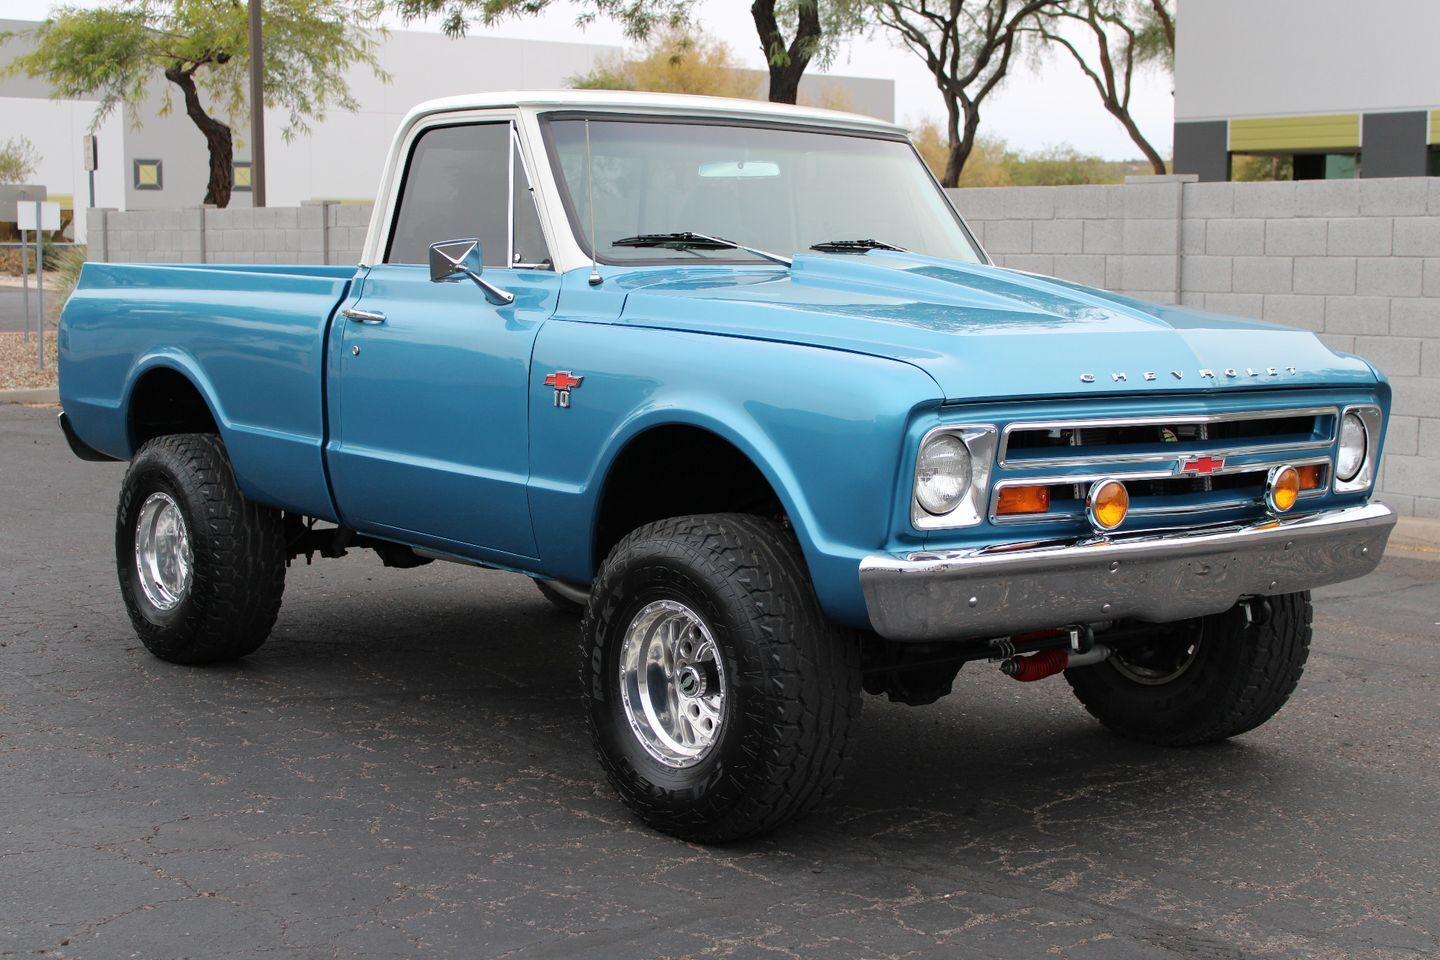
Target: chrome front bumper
1160 577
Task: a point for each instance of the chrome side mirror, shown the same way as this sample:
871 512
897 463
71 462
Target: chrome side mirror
453 260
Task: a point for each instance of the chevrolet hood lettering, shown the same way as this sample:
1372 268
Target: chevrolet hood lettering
1230 373
984 332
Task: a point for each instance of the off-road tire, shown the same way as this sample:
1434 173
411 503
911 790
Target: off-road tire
793 687
557 599
1241 675
238 575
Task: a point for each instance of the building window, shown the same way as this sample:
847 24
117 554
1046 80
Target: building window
1435 161
243 183
149 175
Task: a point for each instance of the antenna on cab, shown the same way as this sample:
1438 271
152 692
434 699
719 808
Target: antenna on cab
595 278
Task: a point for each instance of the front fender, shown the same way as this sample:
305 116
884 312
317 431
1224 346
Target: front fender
825 428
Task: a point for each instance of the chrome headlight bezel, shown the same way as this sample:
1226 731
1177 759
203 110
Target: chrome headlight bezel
1372 422
980 440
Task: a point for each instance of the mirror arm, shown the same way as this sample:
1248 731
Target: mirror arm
500 298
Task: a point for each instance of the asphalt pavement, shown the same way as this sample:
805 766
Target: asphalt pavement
403 771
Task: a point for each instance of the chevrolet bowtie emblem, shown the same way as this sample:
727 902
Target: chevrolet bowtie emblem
1200 465
563 381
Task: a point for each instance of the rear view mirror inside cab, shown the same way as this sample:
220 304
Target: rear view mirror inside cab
739 169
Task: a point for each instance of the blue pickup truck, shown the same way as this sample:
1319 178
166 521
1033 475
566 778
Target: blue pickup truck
736 383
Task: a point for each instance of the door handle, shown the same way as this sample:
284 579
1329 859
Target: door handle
362 316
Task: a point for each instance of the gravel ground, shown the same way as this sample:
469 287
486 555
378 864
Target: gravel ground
17 362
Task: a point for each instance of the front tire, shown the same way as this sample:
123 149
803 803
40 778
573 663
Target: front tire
202 569
719 697
1203 680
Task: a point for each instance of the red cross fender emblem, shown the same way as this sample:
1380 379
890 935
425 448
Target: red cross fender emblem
1200 465
563 381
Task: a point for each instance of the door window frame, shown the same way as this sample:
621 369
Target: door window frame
395 188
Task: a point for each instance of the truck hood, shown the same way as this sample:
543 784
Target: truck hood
985 332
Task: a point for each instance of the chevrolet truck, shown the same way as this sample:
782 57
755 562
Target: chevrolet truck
734 382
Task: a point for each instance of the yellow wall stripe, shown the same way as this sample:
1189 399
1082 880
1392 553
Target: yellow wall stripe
1435 126
1336 131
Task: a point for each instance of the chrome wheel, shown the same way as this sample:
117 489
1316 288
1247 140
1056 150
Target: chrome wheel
672 683
164 559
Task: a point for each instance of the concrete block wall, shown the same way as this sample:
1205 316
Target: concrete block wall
311 233
1355 261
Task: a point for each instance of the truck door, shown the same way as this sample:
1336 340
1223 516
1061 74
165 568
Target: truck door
428 395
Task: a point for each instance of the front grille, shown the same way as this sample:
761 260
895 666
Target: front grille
1231 452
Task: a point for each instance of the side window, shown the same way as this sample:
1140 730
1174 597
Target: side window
530 249
457 185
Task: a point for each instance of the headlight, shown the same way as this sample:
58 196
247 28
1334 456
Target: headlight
943 474
1353 443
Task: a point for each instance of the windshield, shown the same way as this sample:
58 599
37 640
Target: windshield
774 188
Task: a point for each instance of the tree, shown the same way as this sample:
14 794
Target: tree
1118 36
638 17
967 45
816 28
18 160
674 61
112 53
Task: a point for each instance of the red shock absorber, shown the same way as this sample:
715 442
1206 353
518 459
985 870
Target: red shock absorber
1036 666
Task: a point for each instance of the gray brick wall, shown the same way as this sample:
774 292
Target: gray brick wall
1356 261
312 233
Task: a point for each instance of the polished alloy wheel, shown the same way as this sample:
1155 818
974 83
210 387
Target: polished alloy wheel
672 683
164 558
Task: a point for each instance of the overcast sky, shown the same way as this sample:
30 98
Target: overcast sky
1035 108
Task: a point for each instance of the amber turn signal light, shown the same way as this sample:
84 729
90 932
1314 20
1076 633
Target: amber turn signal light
1312 477
1032 499
1282 488
1107 503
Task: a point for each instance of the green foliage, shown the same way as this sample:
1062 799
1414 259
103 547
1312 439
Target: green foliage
18 160
993 164
113 52
638 17
1250 169
64 264
839 20
674 61
1154 22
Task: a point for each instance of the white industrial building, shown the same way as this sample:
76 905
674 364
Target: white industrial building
1345 91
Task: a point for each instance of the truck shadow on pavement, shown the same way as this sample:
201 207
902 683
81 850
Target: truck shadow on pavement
471 678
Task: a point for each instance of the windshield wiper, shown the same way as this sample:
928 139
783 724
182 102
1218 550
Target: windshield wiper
694 241
854 246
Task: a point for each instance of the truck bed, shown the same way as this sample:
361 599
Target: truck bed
252 338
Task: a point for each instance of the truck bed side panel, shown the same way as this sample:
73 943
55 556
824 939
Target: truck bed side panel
250 339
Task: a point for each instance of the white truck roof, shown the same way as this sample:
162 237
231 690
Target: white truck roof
651 103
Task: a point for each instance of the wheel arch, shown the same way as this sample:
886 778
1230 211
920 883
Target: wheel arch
169 393
632 494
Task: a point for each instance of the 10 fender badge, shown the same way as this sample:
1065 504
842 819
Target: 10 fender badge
1229 373
563 381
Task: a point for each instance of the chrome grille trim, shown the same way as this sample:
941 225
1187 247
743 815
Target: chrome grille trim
1191 449
1230 503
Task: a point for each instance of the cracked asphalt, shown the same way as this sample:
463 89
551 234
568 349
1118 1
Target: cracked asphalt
403 771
